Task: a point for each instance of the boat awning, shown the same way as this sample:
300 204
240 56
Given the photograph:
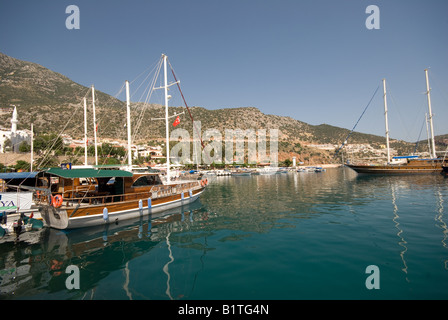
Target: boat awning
18 175
87 173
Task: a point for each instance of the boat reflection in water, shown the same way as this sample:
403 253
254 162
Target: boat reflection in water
283 236
98 252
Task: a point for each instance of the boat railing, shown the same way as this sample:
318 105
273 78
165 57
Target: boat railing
168 190
92 198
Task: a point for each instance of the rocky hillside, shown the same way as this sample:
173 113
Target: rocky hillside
52 102
46 98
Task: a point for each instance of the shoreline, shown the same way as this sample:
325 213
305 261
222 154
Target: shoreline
326 166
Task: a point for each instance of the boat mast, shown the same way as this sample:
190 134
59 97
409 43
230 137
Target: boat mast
94 124
430 116
85 131
385 117
427 133
32 148
166 119
128 111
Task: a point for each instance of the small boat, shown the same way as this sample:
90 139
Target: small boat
268 171
312 169
221 173
240 172
17 223
18 213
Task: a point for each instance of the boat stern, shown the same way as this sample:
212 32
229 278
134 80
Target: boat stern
53 217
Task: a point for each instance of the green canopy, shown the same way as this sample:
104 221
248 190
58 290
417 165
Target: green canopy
88 173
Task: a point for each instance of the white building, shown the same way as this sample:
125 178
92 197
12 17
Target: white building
15 136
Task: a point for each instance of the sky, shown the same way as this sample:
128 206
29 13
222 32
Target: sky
311 60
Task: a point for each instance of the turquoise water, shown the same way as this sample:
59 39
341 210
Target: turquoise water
285 236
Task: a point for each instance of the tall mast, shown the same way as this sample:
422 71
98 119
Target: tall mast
94 124
427 133
85 131
385 118
166 119
32 148
128 112
433 145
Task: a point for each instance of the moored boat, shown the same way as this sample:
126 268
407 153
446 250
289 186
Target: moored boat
405 164
80 198
220 173
267 170
90 196
241 172
18 212
412 166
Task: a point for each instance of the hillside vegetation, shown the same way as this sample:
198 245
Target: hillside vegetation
54 103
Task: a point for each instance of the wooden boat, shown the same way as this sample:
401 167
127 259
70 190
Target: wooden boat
90 196
80 198
412 166
404 164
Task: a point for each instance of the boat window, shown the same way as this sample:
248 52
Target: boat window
86 181
150 180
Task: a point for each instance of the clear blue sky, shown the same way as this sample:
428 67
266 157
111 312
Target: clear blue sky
312 60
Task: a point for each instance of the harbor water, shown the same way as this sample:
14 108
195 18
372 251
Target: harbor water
288 236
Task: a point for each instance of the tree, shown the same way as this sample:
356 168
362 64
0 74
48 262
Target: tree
287 162
47 162
24 147
22 165
47 141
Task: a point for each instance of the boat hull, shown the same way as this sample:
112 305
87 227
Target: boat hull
445 170
395 170
61 218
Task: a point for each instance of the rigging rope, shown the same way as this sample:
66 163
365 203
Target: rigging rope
418 139
185 102
350 133
47 154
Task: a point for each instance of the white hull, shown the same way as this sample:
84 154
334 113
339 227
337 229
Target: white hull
63 222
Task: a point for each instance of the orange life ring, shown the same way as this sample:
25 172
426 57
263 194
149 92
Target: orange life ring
57 201
202 183
206 182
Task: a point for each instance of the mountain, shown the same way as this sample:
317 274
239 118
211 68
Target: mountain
53 102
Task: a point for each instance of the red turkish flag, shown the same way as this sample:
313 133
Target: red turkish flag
176 122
